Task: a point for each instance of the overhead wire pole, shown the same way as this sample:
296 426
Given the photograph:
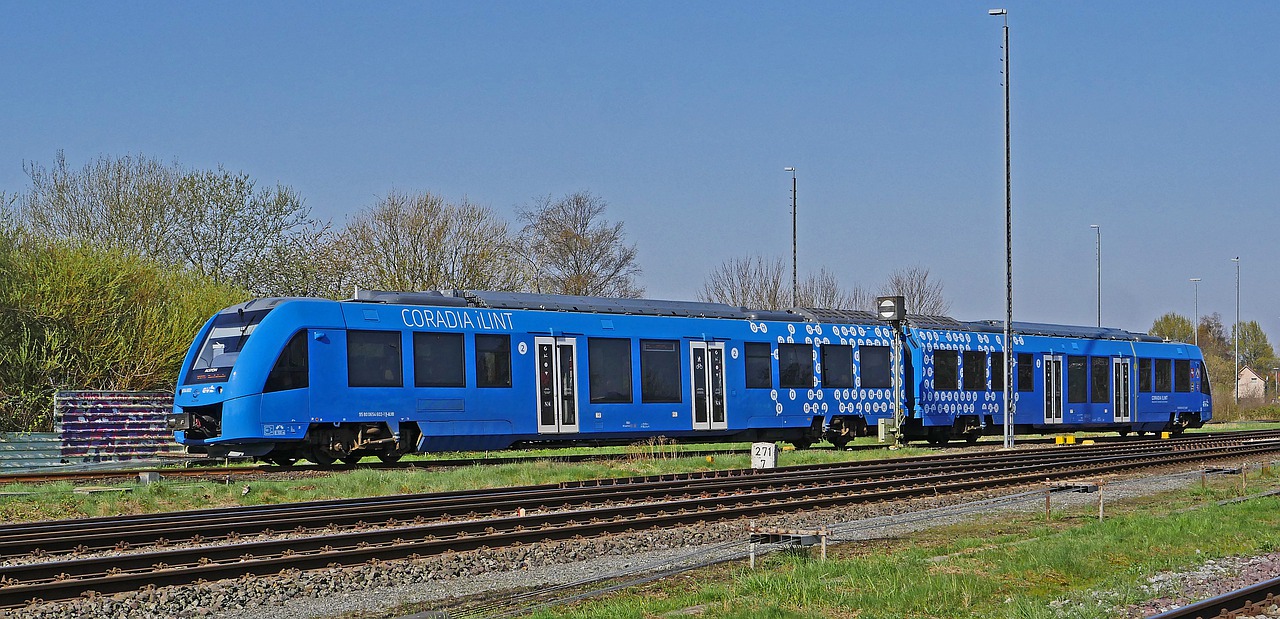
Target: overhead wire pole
1009 404
1195 327
1237 330
1098 229
795 285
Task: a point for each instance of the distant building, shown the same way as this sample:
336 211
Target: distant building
1251 385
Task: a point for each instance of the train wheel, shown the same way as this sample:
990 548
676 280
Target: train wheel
802 443
321 457
283 461
389 458
840 443
939 436
972 437
351 459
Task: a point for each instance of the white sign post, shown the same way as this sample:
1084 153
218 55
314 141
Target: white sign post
764 455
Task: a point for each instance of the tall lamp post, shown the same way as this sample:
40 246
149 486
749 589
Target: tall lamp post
1098 229
1009 403
1236 330
1195 327
795 283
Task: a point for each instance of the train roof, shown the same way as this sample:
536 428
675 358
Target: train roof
699 309
1050 330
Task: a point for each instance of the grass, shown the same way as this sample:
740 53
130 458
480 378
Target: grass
59 500
1014 566
1238 426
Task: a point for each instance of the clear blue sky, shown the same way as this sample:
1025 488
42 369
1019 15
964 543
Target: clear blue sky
1160 121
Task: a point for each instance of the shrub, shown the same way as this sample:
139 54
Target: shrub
79 317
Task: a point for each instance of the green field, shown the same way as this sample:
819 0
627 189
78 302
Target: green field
1011 566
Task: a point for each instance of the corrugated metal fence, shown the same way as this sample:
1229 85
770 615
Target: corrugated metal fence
29 450
97 426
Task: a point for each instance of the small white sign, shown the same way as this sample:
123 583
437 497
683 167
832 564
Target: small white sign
764 455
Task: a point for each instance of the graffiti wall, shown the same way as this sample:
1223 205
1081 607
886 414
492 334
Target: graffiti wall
101 426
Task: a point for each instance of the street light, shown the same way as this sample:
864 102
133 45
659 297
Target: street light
1098 228
1195 282
1235 330
1009 403
795 284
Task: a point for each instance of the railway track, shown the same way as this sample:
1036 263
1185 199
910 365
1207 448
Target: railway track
221 472
213 471
1260 600
322 534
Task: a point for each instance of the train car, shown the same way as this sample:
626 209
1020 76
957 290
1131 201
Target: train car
1065 379
390 373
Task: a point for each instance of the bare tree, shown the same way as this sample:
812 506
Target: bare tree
758 283
228 227
747 282
419 242
822 290
214 222
571 249
309 263
923 296
124 203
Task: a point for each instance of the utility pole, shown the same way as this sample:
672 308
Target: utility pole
1009 404
795 283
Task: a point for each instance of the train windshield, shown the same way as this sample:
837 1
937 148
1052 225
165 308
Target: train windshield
222 346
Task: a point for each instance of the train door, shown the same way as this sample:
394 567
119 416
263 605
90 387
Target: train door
708 385
1121 390
557 385
1053 389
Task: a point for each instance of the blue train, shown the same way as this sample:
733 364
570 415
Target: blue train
390 373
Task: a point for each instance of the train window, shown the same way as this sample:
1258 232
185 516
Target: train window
1182 375
493 360
222 345
837 365
1100 368
1077 379
373 359
873 367
759 365
1144 375
660 371
290 370
946 370
610 370
795 366
1164 375
438 360
1204 378
997 371
1026 371
975 370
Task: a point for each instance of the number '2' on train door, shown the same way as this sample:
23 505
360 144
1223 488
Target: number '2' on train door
708 382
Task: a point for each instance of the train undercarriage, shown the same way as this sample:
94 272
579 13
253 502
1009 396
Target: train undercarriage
326 444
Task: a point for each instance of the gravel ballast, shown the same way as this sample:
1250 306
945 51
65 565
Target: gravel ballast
331 592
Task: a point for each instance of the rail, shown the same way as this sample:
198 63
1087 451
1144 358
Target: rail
505 517
1256 599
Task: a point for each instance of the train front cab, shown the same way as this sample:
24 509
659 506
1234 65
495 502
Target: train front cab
259 382
219 399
